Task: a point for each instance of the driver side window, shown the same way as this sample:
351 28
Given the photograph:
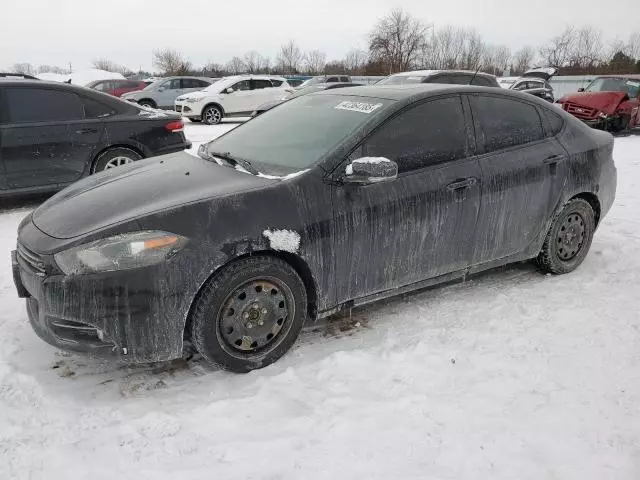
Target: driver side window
426 134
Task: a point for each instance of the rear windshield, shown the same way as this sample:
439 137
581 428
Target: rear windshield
402 80
298 133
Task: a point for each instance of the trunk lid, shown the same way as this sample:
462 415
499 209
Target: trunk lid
544 73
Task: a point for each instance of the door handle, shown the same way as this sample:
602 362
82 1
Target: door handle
553 159
462 183
83 131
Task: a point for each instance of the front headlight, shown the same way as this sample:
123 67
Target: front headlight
120 252
191 100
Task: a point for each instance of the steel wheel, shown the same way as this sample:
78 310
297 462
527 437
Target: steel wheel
117 162
252 317
212 116
570 237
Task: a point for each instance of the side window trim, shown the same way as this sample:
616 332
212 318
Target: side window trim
360 145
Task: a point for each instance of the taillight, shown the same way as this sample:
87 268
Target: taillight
175 126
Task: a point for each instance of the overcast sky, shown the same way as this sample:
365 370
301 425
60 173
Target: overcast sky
57 32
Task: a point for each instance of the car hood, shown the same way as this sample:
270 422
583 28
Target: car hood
133 191
198 95
606 102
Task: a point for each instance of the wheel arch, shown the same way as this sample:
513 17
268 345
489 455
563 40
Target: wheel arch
213 104
591 199
148 100
294 261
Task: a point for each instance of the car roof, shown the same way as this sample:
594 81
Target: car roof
38 83
417 90
429 73
632 76
256 77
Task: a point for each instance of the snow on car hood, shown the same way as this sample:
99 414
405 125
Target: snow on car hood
136 190
606 102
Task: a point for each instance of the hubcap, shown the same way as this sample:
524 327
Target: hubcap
117 162
212 115
253 315
570 237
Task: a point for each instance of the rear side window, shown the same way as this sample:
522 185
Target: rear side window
481 81
332 80
554 121
130 84
35 105
430 133
96 109
344 79
260 84
276 83
503 123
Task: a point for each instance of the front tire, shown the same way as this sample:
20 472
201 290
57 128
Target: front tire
569 238
212 115
114 157
147 103
250 314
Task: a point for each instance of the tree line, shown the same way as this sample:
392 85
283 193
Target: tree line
399 42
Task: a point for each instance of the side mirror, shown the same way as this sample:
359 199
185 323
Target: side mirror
228 90
367 170
581 89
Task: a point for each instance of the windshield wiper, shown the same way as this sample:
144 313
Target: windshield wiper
230 160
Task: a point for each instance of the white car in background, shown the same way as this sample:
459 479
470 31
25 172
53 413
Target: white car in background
232 96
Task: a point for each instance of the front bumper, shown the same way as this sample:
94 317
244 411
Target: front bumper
189 109
136 315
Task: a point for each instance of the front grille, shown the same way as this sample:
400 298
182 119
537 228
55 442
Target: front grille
31 258
579 111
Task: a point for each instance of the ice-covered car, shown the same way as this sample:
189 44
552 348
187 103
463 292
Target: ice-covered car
383 191
610 103
235 96
536 82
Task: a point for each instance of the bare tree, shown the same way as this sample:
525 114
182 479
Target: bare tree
522 60
53 69
496 59
290 57
236 66
24 68
213 69
315 61
397 40
446 48
355 62
171 62
559 50
334 67
255 63
632 48
588 49
109 66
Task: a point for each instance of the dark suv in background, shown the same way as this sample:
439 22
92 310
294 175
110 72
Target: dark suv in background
52 134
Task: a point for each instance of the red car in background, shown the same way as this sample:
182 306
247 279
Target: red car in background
610 102
117 87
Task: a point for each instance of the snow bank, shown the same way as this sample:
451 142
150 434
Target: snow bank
283 240
81 77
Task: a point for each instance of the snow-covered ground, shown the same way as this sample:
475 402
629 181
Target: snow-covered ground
511 375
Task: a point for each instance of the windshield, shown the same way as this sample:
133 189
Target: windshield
298 133
401 79
604 84
312 81
216 86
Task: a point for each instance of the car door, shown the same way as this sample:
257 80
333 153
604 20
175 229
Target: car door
238 100
37 145
419 225
168 92
263 91
523 172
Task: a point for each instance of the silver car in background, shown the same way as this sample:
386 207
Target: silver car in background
163 92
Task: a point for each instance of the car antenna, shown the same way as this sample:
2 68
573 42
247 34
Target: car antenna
474 75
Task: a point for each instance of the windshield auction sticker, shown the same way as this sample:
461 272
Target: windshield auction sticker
361 107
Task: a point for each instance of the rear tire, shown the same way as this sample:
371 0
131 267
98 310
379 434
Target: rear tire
250 314
212 115
569 238
114 157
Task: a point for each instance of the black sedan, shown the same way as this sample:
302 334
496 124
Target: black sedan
385 190
52 134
